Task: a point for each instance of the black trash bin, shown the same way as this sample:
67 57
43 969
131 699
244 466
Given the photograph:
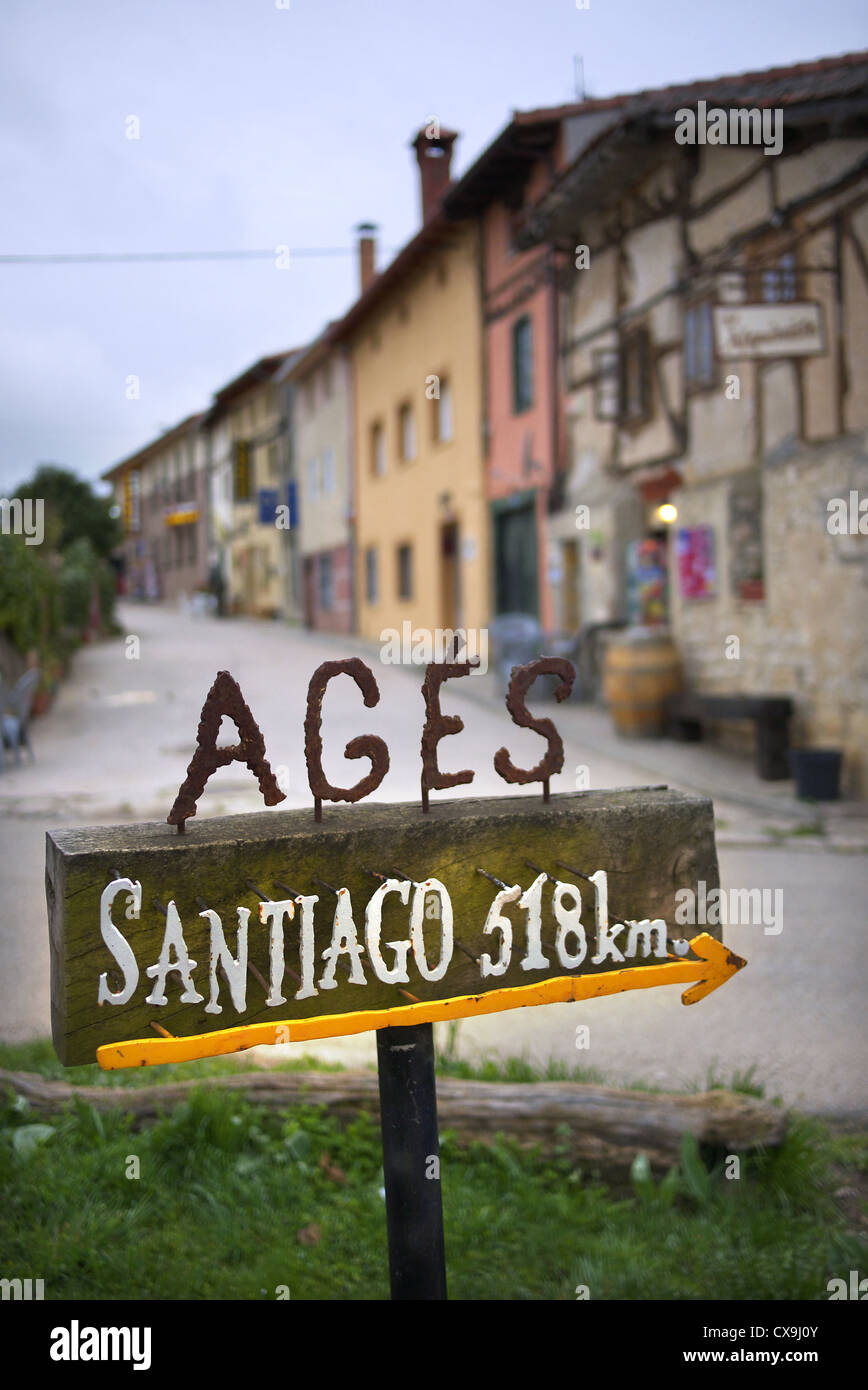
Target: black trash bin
817 772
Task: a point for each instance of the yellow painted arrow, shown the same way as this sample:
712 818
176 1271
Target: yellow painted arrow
713 968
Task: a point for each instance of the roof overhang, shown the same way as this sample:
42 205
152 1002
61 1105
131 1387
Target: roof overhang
436 234
626 152
156 446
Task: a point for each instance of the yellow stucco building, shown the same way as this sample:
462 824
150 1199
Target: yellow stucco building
415 342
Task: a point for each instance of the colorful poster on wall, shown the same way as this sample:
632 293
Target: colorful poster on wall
694 552
647 592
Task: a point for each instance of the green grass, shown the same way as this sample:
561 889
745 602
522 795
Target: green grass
39 1056
516 1069
789 832
225 1188
742 1082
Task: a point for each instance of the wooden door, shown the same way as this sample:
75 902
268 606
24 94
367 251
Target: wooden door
450 576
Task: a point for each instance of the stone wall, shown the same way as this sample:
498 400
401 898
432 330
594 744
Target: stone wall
809 637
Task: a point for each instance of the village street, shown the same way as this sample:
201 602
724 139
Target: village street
118 739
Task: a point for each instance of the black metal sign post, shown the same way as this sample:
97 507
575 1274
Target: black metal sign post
411 1162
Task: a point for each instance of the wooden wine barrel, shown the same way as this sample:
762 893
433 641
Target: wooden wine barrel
641 669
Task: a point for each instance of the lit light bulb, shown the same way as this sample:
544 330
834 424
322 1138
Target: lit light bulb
666 512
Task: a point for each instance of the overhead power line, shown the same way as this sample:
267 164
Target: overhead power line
106 257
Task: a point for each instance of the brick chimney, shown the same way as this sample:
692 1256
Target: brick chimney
434 156
367 253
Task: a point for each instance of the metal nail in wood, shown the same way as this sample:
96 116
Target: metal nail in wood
499 881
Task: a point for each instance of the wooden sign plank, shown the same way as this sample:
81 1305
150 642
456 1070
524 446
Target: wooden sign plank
648 843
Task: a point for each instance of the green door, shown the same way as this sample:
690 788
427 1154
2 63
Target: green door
515 555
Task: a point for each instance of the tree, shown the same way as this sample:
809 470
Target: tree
73 509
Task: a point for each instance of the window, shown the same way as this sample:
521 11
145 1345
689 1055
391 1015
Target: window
243 472
443 412
779 281
635 383
769 271
405 571
606 380
179 545
371 575
378 449
699 366
522 365
407 432
328 471
312 478
272 460
135 501
192 538
326 592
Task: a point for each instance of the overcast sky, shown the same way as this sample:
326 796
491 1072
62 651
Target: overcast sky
263 126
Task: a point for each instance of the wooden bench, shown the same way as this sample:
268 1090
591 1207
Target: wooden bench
771 714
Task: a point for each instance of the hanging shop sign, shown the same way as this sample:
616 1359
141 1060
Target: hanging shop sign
769 330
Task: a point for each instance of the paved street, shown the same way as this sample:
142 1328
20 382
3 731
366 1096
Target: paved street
116 744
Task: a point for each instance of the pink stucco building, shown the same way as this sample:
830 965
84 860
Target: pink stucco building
523 406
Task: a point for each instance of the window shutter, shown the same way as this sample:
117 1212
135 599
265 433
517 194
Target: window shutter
242 470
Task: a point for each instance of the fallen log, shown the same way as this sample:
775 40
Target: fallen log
601 1127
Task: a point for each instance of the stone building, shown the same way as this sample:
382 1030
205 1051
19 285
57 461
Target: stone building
162 491
715 346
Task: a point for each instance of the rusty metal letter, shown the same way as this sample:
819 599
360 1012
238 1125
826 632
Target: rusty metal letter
520 681
365 746
438 725
224 698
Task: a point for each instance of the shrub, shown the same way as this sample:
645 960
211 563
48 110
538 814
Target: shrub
28 590
77 578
